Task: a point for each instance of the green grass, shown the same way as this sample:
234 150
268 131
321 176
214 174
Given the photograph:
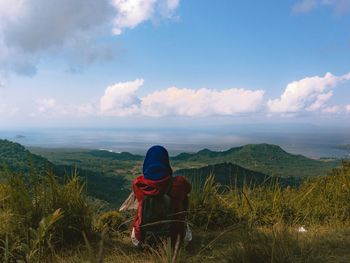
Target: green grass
279 244
44 219
256 224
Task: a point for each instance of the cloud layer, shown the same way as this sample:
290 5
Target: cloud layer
132 13
31 29
121 100
308 94
305 6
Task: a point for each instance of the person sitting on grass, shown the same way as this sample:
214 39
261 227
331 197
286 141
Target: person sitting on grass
162 202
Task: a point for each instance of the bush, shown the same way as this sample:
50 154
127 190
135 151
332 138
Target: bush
208 208
38 213
113 221
321 200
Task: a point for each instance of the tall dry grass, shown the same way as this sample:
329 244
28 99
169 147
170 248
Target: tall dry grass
45 220
40 215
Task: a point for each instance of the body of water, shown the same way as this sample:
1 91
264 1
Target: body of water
309 142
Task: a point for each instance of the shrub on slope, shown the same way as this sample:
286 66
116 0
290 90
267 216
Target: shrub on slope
41 214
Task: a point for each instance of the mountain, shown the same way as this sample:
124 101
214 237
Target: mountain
100 161
15 158
228 174
269 159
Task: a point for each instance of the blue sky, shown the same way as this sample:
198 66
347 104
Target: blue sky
173 62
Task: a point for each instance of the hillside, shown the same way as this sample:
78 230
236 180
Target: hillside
101 161
228 174
259 224
15 158
268 159
265 158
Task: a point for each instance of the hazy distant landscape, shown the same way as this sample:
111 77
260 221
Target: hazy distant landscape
308 140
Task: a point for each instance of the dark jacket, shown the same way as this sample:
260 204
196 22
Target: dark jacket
179 196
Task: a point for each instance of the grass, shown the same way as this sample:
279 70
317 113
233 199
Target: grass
40 215
279 244
43 220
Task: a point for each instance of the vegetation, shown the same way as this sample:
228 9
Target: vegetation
263 158
269 159
232 175
45 220
14 158
100 161
40 215
236 215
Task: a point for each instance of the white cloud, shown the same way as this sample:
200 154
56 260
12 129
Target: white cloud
49 108
332 109
2 84
10 9
86 109
347 108
30 29
46 104
44 24
131 13
121 99
305 6
320 101
33 29
8 110
201 102
310 94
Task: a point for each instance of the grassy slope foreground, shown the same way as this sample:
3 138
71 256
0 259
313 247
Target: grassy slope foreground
14 158
46 221
254 225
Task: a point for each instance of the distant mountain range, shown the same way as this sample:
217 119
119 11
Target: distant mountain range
108 174
268 159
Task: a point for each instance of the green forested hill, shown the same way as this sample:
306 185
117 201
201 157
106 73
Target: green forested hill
265 158
228 174
14 158
101 161
268 159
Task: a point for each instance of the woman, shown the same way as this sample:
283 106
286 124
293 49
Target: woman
157 183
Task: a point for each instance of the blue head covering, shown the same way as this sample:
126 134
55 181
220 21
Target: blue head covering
156 164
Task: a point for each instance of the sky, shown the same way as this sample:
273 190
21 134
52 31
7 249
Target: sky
170 63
